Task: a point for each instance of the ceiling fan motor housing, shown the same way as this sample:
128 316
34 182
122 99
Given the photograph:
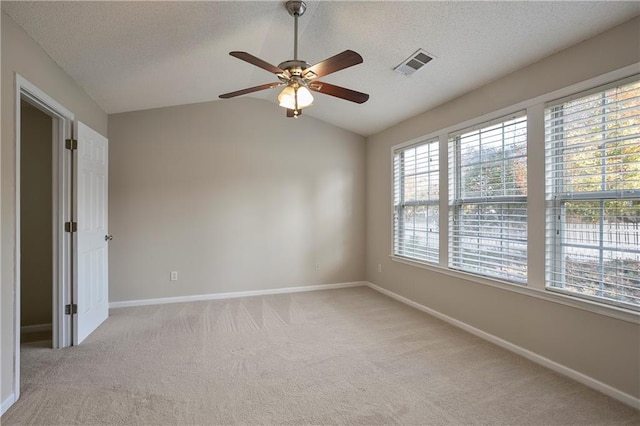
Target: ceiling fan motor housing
294 67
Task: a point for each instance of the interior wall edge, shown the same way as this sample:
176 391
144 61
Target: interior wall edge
526 353
232 295
7 403
36 328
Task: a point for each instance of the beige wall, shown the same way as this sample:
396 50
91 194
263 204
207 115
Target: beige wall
36 269
20 54
601 347
234 196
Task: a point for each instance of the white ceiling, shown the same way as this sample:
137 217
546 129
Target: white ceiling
138 55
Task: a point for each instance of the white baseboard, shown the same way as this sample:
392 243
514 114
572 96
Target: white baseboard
26 329
214 296
7 403
532 356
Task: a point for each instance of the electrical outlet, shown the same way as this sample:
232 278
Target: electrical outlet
317 266
174 275
379 267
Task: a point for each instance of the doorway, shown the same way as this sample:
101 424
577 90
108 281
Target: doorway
51 191
36 225
64 209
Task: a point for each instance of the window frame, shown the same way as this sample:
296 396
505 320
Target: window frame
557 196
428 202
457 200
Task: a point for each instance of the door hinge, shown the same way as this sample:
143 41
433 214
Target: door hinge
71 309
71 227
71 144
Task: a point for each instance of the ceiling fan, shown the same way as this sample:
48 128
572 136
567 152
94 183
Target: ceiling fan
300 77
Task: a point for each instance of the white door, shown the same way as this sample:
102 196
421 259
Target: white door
91 283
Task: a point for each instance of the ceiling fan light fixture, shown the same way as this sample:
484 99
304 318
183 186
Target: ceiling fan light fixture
295 98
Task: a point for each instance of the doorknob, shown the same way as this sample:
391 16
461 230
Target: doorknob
108 237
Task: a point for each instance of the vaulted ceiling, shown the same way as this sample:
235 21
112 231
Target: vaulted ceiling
138 55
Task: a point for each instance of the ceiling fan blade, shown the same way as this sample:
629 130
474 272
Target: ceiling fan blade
291 113
343 60
250 90
247 57
339 92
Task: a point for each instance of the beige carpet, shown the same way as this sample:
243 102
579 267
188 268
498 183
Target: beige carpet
339 356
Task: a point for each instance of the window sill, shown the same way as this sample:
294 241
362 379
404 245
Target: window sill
548 295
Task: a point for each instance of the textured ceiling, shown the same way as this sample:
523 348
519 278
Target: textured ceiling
138 55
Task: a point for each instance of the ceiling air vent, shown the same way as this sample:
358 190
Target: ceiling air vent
414 62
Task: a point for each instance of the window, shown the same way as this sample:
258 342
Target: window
581 165
488 199
593 194
416 202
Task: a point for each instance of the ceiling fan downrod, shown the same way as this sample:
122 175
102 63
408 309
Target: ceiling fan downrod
296 8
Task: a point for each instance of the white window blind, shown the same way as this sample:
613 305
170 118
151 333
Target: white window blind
488 199
416 191
593 194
